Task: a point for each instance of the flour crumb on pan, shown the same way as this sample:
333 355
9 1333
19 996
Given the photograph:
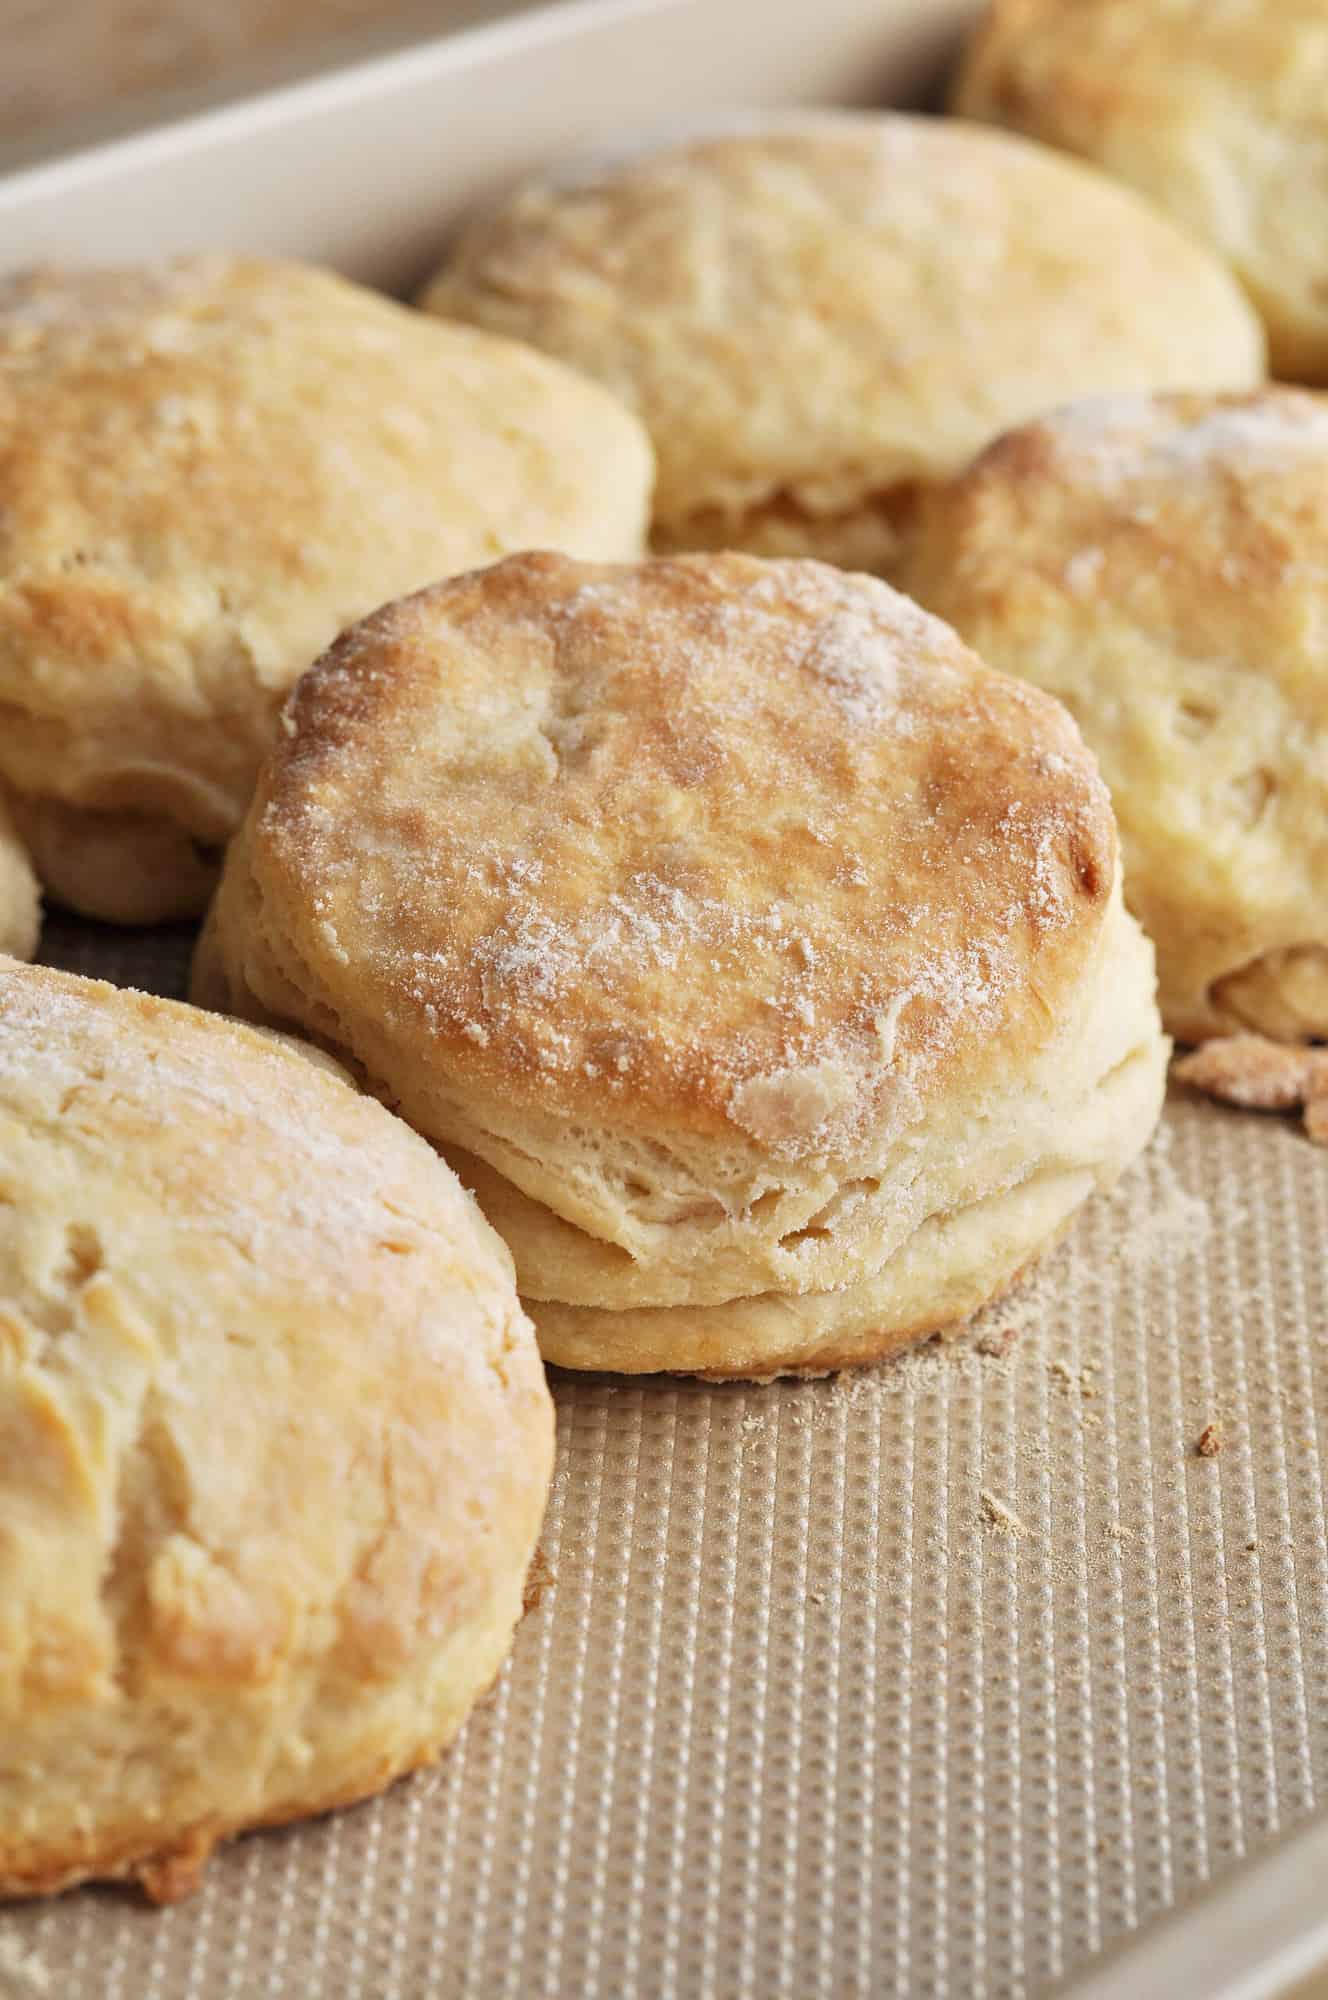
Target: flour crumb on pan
210 465
1000 1514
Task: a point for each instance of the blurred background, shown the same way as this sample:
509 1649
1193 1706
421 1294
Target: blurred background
85 69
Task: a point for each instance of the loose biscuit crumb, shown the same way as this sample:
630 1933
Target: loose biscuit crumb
539 1578
1210 1441
1261 1075
1001 1515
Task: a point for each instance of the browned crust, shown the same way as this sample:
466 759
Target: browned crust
1154 562
185 450
1167 97
322 1535
978 829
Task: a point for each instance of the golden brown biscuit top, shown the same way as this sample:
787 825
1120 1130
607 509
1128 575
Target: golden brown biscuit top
1216 109
707 843
1159 564
1200 519
817 312
1079 70
101 1070
266 1392
210 465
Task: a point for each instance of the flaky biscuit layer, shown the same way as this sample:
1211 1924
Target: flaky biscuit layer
730 914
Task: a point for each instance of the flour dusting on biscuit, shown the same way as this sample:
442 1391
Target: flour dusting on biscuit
1159 564
210 466
754 953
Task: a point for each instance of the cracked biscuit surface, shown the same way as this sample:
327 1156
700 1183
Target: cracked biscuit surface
1159 564
209 466
815 317
274 1438
728 924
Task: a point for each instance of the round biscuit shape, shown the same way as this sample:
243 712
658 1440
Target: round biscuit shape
818 316
1218 113
707 911
209 467
274 1438
1159 564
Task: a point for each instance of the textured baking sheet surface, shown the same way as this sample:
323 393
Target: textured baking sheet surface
927 1681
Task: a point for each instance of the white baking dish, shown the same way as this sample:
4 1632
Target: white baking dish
365 169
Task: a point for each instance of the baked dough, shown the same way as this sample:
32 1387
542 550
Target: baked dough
1159 564
745 937
209 466
20 899
1217 111
274 1439
815 317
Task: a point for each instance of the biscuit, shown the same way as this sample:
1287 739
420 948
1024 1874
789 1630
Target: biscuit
274 1439
209 467
1261 1075
816 317
754 952
1219 113
1159 564
20 899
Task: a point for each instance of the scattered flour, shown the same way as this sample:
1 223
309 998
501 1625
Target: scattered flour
22 1974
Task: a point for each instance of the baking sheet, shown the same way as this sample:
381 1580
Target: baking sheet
926 1681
